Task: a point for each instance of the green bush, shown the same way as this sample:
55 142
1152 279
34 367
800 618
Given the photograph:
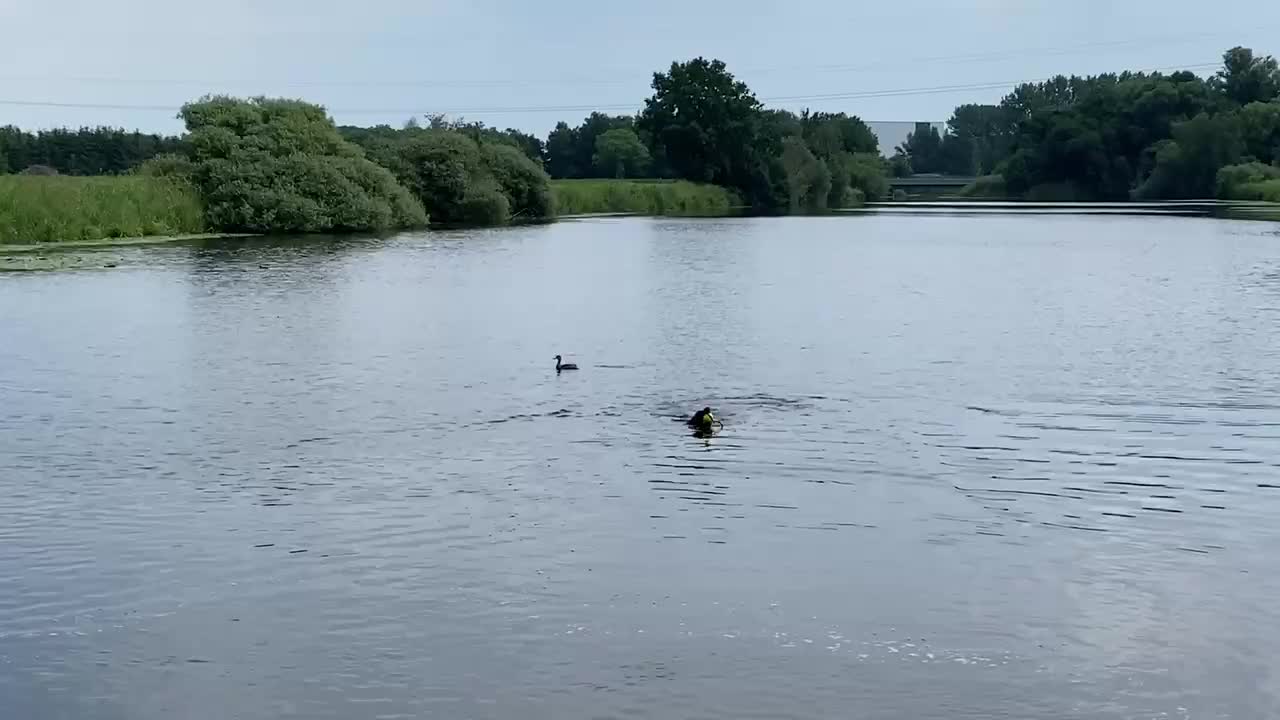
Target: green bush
679 198
62 208
525 185
1236 181
1268 190
275 166
808 179
866 172
461 181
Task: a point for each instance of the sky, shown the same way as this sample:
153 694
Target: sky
514 63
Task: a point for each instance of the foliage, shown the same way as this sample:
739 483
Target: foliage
674 198
523 183
1248 181
923 149
706 126
828 134
620 152
168 166
51 209
808 179
1104 142
86 151
268 165
866 175
900 165
571 152
1186 166
1260 130
1246 79
460 181
532 147
1113 136
984 131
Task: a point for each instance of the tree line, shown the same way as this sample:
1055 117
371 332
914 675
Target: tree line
273 165
1123 136
86 151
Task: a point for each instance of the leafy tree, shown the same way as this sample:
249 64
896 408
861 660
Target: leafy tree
900 166
571 152
830 133
1260 130
779 124
808 179
1187 166
924 149
520 180
707 126
867 175
267 165
562 153
620 152
1234 182
1245 78
461 181
986 133
86 151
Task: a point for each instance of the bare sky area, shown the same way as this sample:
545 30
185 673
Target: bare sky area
528 64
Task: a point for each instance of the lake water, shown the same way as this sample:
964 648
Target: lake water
986 467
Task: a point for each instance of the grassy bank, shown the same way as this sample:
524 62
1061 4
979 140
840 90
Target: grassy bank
37 209
645 197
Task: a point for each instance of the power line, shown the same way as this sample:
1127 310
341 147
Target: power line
641 76
788 99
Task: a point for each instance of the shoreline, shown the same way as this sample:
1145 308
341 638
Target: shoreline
30 248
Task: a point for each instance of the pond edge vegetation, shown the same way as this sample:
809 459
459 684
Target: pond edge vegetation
702 145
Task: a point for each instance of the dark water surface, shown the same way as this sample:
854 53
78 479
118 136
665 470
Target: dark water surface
985 467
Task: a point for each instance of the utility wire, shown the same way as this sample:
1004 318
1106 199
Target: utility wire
788 99
642 76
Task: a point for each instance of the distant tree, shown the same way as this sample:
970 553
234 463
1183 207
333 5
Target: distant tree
828 134
459 179
987 133
924 149
1234 181
1187 166
779 124
808 178
1245 78
705 121
706 125
532 146
521 180
1260 130
867 175
900 166
562 154
571 152
266 165
620 152
595 125
86 151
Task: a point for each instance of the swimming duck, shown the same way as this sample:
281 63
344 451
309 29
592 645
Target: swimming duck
561 366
